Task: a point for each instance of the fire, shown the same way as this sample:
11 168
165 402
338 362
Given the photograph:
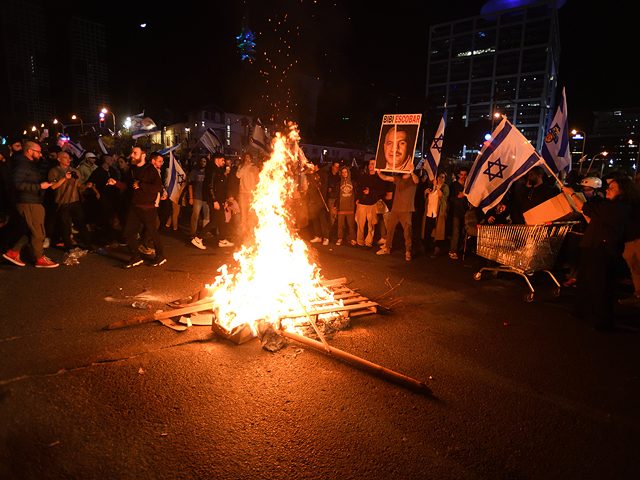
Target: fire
274 275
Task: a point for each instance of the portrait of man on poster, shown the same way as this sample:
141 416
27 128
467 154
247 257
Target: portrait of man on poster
395 148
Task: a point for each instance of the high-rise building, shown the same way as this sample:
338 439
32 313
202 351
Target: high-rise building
498 63
27 74
88 41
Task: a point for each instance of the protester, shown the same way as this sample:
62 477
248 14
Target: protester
458 206
370 188
401 211
435 214
145 187
601 249
317 205
631 254
87 166
248 174
345 205
215 193
29 196
65 181
537 191
333 183
196 199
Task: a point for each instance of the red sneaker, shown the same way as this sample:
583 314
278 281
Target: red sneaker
45 262
13 257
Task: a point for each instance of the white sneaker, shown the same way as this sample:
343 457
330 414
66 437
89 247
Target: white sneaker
315 240
225 243
46 243
198 243
325 241
383 251
339 242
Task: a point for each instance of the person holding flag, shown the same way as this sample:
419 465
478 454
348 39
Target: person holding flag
174 184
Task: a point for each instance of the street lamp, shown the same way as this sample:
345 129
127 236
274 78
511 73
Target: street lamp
105 111
603 154
34 129
75 117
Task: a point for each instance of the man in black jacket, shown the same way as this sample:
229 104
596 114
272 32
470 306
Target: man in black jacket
146 184
214 192
29 197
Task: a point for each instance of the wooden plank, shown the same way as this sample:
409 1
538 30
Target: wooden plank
331 283
330 310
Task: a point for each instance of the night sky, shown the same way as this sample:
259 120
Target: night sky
360 58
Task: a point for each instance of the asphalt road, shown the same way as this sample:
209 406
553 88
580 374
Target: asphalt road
520 390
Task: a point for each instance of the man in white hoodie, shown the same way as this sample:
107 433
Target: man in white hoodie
248 174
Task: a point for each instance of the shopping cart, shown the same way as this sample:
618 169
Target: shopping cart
522 249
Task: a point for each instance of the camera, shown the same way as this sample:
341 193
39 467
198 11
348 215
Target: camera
74 175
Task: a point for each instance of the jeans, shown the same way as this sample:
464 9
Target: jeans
149 218
198 205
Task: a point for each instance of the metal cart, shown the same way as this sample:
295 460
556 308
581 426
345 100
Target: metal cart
522 249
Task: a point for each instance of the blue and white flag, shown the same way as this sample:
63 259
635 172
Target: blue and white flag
432 158
555 150
176 179
100 142
76 149
166 151
141 126
260 139
211 141
503 160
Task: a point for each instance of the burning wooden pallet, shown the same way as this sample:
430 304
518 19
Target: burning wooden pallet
353 304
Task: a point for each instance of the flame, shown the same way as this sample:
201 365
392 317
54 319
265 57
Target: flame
274 275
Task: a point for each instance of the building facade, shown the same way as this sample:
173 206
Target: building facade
498 63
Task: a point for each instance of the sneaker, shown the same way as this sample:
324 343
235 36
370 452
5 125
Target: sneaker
454 256
339 242
315 240
46 243
13 257
146 250
382 241
368 245
383 251
45 262
198 243
134 262
354 243
325 242
407 256
225 243
161 260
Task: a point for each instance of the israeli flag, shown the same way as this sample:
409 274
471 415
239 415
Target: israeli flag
100 142
176 179
555 150
141 126
166 151
503 160
76 149
211 141
432 159
260 139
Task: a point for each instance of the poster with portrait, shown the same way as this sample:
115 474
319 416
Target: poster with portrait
397 142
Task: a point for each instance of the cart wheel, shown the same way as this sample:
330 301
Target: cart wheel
494 273
528 297
556 292
477 276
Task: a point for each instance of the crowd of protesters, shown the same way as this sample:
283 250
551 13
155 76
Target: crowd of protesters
54 199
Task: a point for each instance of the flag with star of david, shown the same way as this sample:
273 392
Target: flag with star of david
432 158
176 179
141 126
555 150
506 157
